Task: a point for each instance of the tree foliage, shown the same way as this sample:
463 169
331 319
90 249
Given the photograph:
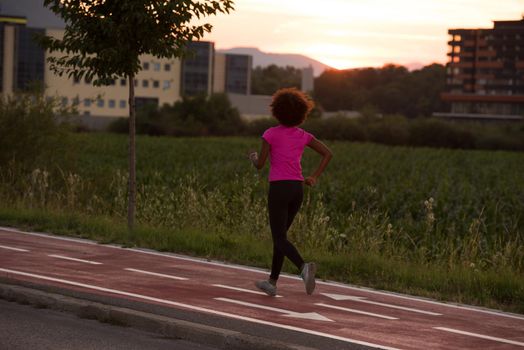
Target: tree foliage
267 80
32 135
192 116
104 39
391 89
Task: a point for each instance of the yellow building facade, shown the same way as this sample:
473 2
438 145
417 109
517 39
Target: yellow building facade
158 81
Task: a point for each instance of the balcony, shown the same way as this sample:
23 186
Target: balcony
487 53
468 97
490 65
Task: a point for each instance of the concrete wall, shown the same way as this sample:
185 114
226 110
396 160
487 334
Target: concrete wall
219 74
307 79
251 106
9 60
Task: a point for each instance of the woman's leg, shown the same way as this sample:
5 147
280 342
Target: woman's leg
284 201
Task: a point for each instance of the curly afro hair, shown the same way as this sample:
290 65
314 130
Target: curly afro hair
291 106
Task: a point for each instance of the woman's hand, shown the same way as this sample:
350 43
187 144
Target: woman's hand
252 155
258 160
310 180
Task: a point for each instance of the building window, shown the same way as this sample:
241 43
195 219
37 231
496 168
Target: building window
156 66
122 82
145 66
167 85
156 84
122 103
87 102
136 82
76 101
145 83
167 67
100 103
29 59
111 103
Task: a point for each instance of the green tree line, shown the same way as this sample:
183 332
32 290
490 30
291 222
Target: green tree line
267 80
392 89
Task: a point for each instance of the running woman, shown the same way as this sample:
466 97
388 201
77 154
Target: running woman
285 144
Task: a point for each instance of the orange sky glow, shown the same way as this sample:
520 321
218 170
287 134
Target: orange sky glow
356 33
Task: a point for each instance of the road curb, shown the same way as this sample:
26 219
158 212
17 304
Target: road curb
166 326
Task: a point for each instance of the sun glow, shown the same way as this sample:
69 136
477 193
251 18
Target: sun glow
354 33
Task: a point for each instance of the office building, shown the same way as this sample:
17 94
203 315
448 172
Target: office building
197 69
161 80
485 72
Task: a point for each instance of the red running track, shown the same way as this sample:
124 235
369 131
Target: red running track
336 311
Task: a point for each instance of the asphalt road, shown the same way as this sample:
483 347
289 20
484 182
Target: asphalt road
221 295
24 327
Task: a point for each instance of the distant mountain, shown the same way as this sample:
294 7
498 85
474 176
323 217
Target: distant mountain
264 59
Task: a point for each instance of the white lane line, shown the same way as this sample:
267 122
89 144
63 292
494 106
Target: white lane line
74 259
158 274
197 308
255 270
362 300
357 311
306 315
14 249
502 340
243 290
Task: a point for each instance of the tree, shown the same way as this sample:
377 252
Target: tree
104 40
391 89
267 80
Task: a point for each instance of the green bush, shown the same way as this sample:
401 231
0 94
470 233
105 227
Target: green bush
389 130
258 126
437 133
336 128
32 134
214 116
192 116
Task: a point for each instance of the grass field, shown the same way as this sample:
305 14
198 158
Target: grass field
442 223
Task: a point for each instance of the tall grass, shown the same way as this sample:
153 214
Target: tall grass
415 220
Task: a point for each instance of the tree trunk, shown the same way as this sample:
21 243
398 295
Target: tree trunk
131 205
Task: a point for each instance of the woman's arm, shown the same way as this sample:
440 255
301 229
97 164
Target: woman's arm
326 154
260 161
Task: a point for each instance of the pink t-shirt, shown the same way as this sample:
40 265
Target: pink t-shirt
285 152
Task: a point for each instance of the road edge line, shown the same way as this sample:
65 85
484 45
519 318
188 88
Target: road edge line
120 316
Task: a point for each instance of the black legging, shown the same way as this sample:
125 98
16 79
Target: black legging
284 201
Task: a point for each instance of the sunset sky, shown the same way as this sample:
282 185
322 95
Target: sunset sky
340 33
357 33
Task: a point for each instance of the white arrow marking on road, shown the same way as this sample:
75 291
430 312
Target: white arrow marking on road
362 300
288 313
157 274
243 290
15 249
357 311
74 259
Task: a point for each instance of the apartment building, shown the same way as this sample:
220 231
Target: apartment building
161 80
485 72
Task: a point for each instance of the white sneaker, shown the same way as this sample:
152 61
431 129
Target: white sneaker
308 276
266 287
